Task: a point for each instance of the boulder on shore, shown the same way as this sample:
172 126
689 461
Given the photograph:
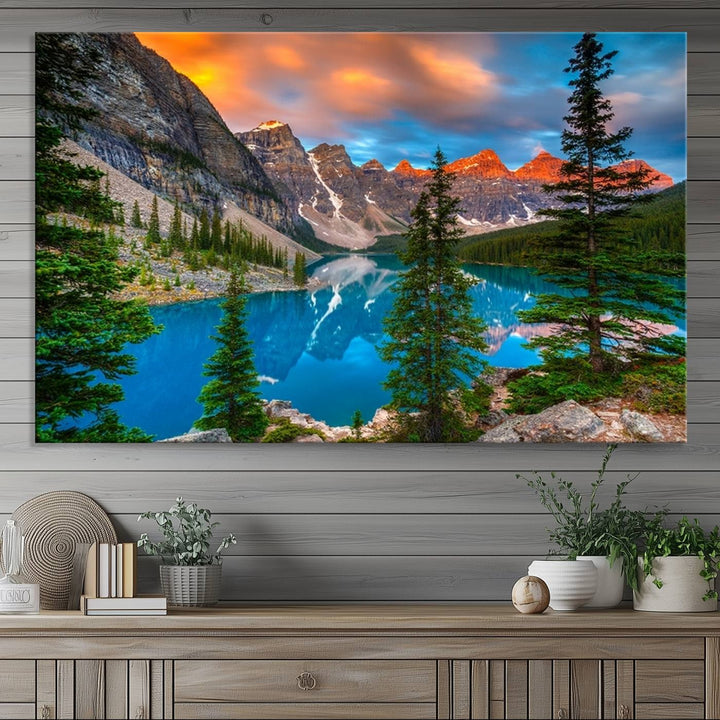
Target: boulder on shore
566 422
216 435
640 426
499 376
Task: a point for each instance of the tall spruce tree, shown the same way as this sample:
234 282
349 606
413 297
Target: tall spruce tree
81 329
433 335
153 232
300 270
615 292
204 230
175 235
230 399
135 219
216 235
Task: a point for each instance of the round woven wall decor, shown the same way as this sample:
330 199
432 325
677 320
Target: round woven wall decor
52 524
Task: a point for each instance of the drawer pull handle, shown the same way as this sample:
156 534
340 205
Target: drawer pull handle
624 713
306 681
45 712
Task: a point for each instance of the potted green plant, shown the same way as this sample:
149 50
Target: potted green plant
677 568
584 530
190 574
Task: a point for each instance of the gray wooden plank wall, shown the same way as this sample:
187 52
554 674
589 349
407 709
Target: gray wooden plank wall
350 523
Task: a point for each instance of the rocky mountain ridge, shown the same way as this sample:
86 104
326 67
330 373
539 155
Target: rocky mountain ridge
350 205
156 126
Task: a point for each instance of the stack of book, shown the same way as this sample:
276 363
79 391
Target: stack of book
110 586
138 605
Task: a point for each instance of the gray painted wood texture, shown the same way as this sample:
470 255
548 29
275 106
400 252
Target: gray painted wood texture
371 523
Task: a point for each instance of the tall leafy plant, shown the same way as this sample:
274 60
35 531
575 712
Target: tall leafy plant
583 527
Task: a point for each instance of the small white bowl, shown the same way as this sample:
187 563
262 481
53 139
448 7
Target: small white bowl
571 582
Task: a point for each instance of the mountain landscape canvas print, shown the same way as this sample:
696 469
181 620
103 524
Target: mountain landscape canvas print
360 237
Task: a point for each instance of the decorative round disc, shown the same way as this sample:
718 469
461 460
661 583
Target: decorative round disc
53 523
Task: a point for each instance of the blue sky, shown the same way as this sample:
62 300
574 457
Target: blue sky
394 96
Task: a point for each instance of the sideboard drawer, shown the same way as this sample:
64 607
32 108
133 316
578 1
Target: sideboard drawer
306 711
305 681
671 681
669 711
17 681
16 711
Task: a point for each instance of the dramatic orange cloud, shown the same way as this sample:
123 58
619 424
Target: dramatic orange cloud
399 95
285 57
321 83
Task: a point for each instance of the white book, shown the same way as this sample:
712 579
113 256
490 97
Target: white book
119 570
139 602
104 570
125 612
113 571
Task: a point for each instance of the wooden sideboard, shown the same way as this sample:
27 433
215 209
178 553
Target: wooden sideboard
361 662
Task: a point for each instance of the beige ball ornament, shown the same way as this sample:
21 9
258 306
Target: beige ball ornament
530 595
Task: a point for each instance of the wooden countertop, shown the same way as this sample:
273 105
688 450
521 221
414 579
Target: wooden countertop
430 620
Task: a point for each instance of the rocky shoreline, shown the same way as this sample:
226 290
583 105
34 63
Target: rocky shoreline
608 420
199 284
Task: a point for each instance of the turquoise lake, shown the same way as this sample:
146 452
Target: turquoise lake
316 349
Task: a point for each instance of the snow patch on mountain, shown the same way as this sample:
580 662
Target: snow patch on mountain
334 197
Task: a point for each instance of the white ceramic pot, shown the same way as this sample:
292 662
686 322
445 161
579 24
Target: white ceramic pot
610 582
682 589
571 582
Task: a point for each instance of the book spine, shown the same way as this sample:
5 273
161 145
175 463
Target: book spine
129 570
119 570
91 572
113 571
104 570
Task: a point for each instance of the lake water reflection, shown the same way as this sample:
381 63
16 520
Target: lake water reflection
316 349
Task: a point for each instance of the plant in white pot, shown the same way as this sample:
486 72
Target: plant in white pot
677 568
583 530
190 574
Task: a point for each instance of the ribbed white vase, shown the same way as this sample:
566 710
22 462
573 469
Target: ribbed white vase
571 582
610 582
682 589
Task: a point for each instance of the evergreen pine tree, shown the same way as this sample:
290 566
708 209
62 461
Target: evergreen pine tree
81 330
300 270
175 236
230 399
136 220
216 236
204 230
356 424
195 235
227 246
615 288
434 337
153 232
